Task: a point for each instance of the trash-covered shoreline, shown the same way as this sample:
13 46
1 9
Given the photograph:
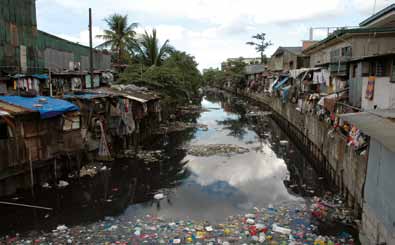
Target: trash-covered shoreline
268 225
149 196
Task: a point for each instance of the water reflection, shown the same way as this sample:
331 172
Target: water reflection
219 186
204 188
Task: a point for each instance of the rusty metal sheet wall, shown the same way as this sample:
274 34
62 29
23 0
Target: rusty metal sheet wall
57 60
80 53
17 27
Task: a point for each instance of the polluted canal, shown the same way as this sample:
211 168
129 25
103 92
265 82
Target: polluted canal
234 178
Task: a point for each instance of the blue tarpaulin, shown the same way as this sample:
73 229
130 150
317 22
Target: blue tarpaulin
285 92
50 108
281 83
41 76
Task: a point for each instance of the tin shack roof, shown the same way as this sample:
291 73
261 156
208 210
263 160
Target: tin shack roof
129 94
7 109
47 107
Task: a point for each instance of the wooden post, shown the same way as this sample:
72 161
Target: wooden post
54 170
50 83
90 46
31 173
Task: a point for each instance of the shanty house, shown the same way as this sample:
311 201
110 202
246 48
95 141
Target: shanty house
288 58
364 57
378 216
134 114
95 118
36 130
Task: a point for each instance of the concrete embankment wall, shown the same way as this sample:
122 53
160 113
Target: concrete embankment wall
345 168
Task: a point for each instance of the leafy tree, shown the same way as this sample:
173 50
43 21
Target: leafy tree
214 77
186 66
132 74
235 73
118 35
177 79
149 52
260 44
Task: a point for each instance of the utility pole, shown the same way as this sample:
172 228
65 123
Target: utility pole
90 46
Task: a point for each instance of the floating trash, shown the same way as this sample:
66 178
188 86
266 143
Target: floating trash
274 225
283 142
46 185
63 184
216 149
159 196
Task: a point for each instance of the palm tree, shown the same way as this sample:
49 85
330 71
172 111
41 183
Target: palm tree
119 34
148 51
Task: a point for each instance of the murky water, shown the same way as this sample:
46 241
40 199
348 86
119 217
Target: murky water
204 188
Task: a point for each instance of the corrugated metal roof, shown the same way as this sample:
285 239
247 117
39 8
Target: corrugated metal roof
136 96
294 50
378 124
254 69
338 33
378 15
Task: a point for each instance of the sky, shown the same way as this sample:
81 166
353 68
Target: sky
210 30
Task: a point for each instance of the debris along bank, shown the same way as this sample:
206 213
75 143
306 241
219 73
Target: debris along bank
263 195
43 138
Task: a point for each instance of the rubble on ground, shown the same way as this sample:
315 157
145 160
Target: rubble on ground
216 149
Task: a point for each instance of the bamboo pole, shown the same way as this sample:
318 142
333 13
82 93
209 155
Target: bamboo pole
24 205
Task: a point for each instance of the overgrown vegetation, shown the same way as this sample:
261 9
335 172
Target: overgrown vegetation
147 62
232 75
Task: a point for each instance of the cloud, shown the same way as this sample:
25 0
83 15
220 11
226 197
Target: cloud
368 7
83 37
217 12
214 30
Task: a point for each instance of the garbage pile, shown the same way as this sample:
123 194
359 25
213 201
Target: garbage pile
331 208
150 156
282 225
92 169
180 126
216 149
